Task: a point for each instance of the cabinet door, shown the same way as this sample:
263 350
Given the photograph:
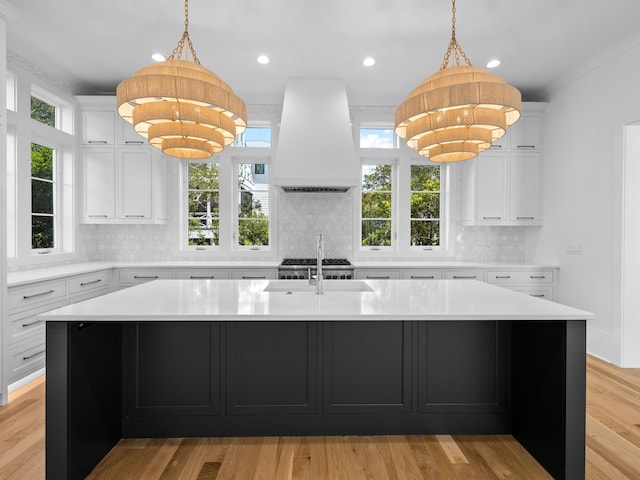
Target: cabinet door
98 128
136 181
526 133
366 367
524 195
126 135
491 182
380 274
99 183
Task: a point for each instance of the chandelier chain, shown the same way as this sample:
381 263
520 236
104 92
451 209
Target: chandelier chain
177 52
454 47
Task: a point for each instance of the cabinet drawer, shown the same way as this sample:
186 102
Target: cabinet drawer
472 274
536 291
520 276
25 324
90 281
382 274
422 274
82 296
25 358
254 274
36 294
134 276
203 273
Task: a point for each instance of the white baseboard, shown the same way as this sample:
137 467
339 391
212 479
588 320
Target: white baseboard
24 380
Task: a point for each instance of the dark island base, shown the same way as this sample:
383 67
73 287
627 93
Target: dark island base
107 381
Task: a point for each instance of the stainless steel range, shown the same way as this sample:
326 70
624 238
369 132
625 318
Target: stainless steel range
301 268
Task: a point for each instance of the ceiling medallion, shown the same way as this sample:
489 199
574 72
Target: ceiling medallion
459 111
181 107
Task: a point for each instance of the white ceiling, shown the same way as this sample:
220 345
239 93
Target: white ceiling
92 45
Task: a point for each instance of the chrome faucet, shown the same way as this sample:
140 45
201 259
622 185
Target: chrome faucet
320 252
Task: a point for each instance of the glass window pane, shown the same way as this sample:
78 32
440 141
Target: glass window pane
376 177
376 233
376 205
203 200
41 162
253 205
42 232
253 231
425 178
425 233
254 137
425 205
43 112
41 197
377 138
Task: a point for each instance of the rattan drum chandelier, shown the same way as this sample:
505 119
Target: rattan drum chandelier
181 107
459 111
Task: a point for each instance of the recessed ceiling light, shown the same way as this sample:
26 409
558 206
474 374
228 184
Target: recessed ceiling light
369 62
263 59
158 57
493 63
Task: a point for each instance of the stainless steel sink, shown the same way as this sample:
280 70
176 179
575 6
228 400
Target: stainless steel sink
329 286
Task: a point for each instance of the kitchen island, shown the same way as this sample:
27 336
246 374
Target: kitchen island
176 358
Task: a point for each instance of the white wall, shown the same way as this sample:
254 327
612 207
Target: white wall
584 124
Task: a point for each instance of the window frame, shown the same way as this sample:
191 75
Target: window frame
56 204
238 160
404 157
393 163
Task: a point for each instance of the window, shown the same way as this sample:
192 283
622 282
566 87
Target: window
254 137
377 138
425 205
204 204
43 112
377 203
43 205
253 205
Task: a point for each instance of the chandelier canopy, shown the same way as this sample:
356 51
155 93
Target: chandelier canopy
182 108
459 111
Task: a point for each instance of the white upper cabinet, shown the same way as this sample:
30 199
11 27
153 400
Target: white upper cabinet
502 186
98 127
124 178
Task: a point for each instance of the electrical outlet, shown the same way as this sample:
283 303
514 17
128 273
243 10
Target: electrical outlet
574 249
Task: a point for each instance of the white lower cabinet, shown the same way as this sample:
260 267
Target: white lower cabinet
202 273
465 274
128 277
378 274
254 274
25 343
422 274
535 282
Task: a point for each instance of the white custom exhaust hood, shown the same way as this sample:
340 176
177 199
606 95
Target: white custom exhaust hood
315 150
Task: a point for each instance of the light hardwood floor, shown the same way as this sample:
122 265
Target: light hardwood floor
613 447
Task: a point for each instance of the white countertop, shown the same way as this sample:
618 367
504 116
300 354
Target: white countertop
238 300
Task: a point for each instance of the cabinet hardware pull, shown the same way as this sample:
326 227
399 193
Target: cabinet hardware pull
142 277
373 277
537 276
503 276
491 218
254 278
98 216
104 142
133 142
460 277
25 325
195 277
27 297
539 295
496 146
28 357
134 216
84 284
525 218
526 146
428 277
